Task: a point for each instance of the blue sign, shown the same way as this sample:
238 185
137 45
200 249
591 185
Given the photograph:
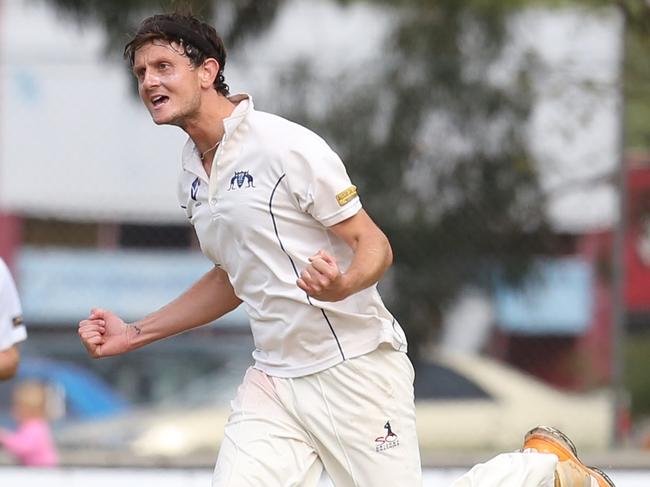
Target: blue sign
558 300
60 286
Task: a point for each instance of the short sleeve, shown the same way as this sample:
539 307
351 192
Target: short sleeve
320 183
12 329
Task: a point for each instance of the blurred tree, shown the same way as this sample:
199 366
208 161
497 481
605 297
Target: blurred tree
637 74
435 141
120 18
437 146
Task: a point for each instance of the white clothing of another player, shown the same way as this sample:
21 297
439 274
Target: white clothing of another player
12 329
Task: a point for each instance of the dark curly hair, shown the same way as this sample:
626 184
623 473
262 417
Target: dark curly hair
198 40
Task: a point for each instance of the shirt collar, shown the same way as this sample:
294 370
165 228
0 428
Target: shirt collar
191 159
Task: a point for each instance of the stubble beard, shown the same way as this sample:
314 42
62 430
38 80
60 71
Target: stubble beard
189 111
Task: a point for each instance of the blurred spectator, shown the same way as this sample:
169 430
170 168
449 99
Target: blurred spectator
12 329
31 444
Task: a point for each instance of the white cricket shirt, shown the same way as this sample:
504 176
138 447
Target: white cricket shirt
12 329
274 189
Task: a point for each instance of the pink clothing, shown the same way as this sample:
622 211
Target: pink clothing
31 444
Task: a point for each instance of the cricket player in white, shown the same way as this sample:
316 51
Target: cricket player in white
12 329
275 211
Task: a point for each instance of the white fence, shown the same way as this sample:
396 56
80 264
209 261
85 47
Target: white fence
95 477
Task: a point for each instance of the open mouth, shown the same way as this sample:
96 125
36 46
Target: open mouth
159 100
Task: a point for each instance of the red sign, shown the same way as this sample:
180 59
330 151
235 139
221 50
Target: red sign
637 241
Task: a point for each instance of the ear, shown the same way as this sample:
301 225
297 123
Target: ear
209 71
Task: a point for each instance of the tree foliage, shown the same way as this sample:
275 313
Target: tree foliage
120 18
637 74
449 178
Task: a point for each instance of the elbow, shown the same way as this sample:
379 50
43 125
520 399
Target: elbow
9 363
8 373
389 255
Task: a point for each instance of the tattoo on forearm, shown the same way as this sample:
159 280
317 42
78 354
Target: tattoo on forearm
137 329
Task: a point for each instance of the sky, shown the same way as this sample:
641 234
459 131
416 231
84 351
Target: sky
76 143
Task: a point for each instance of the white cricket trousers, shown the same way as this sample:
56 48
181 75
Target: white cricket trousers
356 420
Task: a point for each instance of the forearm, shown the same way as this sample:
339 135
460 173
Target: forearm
208 299
324 280
372 257
9 362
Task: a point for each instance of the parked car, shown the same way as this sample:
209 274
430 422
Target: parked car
463 403
201 404
471 402
74 393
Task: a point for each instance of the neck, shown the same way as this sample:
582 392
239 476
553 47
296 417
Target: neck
206 127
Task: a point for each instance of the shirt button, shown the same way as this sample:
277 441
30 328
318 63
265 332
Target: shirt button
213 201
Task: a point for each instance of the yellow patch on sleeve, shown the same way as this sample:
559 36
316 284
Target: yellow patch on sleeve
347 195
18 320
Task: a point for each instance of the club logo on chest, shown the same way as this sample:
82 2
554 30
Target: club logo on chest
241 179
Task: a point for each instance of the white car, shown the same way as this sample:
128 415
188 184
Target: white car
470 402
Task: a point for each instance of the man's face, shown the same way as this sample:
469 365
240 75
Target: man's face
167 83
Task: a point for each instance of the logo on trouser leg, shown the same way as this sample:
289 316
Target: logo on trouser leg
389 440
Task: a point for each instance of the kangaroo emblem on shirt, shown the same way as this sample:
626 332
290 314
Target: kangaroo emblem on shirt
240 178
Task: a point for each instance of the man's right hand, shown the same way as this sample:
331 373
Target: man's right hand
104 334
